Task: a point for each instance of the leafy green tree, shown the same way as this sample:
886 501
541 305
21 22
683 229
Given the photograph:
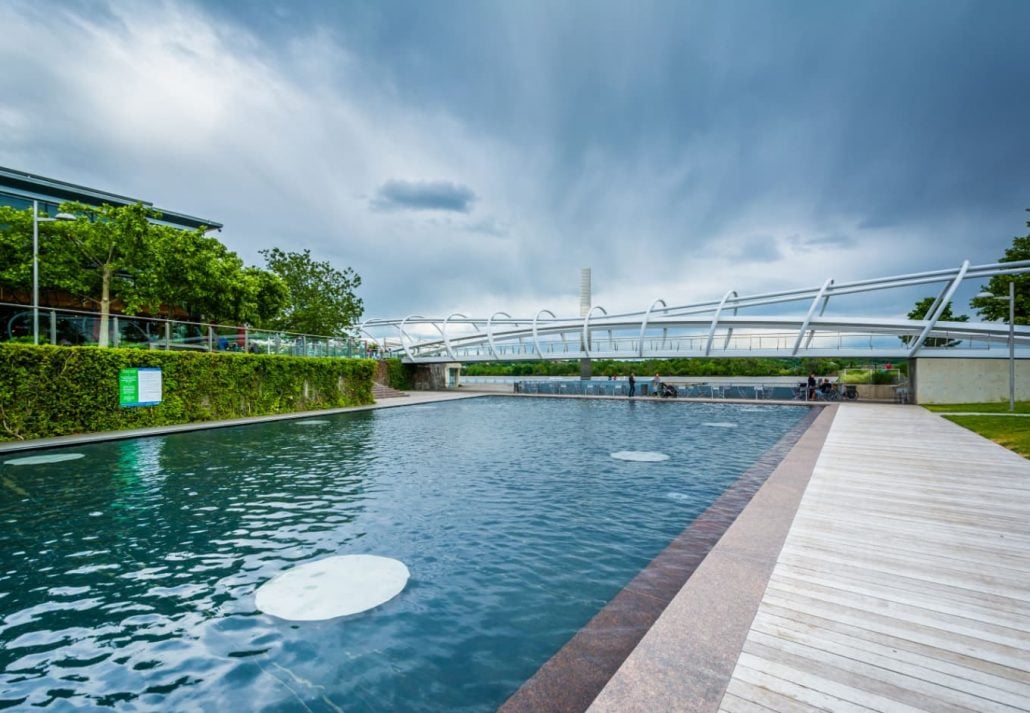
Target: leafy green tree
118 253
321 298
194 272
994 309
16 247
99 254
265 297
922 307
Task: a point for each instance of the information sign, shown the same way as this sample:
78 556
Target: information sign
139 387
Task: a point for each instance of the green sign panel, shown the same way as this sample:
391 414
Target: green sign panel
139 387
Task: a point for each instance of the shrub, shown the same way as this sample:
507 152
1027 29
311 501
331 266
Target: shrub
400 375
48 391
883 377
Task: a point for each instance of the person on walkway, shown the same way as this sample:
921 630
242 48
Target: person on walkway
811 386
656 385
632 384
825 388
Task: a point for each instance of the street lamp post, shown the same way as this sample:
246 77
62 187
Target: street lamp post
1011 299
36 220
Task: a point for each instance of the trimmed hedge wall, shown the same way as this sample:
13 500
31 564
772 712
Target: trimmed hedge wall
400 375
48 391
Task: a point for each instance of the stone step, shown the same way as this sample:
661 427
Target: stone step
381 391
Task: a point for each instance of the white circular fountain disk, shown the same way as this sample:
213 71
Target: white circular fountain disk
640 456
37 460
311 422
721 424
332 587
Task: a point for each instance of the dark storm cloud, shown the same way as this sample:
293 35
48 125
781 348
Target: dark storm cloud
424 195
878 107
817 241
874 138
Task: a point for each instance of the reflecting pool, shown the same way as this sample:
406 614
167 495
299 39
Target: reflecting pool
128 576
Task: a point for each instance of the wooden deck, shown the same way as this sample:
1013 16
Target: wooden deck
904 581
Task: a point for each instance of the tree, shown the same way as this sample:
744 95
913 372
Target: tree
920 311
118 253
321 298
198 274
993 309
16 247
101 252
264 297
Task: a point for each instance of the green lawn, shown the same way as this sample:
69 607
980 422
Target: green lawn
994 407
1013 432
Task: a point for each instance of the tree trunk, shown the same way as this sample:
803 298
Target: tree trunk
105 306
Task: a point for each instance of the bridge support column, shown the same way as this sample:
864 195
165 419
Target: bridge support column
586 371
963 381
437 377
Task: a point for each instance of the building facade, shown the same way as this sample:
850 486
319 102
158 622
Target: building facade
18 189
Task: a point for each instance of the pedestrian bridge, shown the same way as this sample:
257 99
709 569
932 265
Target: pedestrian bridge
794 323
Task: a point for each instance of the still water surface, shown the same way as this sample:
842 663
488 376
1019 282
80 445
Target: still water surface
127 577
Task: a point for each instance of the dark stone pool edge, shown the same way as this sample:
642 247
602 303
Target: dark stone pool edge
572 679
410 399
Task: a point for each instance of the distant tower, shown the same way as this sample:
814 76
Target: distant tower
584 291
585 372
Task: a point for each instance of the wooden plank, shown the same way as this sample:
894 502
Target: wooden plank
905 681
744 697
1015 680
808 685
904 583
898 658
988 607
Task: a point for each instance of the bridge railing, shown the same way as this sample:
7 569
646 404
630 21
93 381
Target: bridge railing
781 344
733 326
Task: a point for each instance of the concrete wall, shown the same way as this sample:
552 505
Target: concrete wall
958 381
437 377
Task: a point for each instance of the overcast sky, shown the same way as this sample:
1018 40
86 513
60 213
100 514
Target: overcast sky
472 156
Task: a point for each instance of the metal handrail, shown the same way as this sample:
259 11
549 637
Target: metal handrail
72 327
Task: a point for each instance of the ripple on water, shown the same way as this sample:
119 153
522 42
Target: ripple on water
514 540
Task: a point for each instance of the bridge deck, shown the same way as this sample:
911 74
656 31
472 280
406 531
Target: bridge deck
903 583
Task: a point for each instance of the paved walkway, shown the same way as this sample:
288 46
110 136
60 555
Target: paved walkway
902 584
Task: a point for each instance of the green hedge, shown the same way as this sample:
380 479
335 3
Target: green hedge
50 391
400 375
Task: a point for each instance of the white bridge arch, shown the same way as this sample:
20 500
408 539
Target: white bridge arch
732 326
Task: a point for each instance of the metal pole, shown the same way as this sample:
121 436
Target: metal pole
585 370
35 272
1012 345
